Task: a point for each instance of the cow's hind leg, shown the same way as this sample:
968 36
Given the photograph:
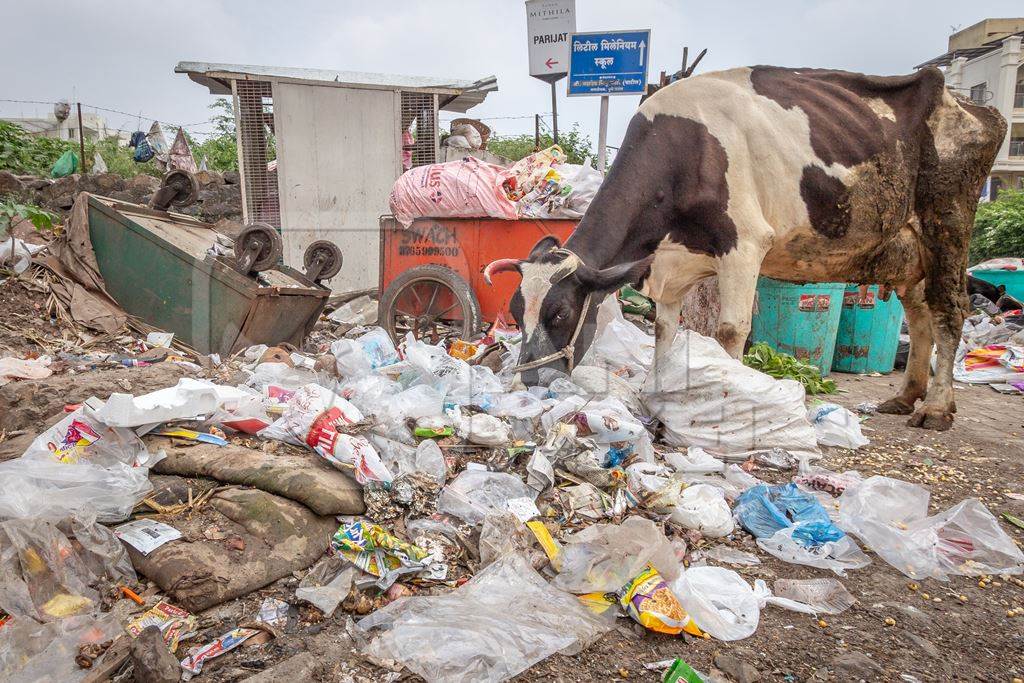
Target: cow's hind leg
946 300
665 327
915 377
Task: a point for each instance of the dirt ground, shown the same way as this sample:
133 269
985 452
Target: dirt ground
943 631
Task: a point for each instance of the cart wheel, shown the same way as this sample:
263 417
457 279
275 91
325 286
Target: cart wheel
257 248
432 302
178 189
325 257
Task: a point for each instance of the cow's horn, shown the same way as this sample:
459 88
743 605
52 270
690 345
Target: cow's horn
569 266
502 265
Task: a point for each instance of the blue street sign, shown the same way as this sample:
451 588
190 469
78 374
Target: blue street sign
608 62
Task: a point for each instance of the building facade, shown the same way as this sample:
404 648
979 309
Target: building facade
985 62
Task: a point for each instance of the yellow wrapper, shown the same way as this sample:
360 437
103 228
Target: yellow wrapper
648 599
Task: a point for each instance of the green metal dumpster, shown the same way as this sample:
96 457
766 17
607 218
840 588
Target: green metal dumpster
869 332
800 320
158 267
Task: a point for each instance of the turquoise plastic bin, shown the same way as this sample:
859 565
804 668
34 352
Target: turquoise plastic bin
801 320
869 332
1013 279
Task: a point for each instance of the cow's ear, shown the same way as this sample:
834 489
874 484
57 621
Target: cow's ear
1001 289
613 277
545 245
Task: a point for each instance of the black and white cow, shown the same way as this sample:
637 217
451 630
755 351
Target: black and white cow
803 175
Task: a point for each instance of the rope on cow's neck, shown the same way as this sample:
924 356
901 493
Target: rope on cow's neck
568 352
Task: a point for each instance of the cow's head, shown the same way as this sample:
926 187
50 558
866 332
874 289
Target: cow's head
557 290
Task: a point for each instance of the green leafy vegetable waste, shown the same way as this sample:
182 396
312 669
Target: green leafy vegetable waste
784 366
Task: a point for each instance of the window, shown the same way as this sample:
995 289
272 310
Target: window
1018 97
978 93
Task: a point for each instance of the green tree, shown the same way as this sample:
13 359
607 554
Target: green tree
999 228
575 143
221 148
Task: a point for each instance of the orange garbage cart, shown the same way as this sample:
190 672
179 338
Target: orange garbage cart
431 273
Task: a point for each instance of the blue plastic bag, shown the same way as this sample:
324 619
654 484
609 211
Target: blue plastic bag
764 510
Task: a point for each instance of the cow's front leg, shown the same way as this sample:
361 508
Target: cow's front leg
737 286
915 377
665 327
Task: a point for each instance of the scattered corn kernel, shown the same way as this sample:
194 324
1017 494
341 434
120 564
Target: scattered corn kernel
925 596
889 621
913 586
822 623
936 599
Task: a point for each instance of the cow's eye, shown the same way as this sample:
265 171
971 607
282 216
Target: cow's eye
560 316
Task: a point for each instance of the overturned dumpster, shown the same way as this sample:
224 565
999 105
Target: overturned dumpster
165 269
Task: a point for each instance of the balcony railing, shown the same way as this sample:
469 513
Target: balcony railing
1017 148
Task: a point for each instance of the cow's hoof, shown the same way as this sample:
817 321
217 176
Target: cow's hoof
896 406
931 418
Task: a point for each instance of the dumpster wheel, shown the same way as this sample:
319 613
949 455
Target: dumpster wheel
257 248
322 260
432 302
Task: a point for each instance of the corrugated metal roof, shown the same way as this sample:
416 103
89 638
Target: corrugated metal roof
461 95
968 52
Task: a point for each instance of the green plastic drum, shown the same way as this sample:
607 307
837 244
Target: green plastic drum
869 332
801 320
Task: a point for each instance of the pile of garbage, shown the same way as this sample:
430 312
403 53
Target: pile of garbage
445 509
991 348
541 185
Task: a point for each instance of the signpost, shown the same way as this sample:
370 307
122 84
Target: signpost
608 63
549 23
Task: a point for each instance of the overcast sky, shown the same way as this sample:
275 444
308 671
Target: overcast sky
119 55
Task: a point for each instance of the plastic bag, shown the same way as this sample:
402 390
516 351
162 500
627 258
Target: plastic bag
719 601
500 623
327 583
834 425
826 596
48 570
65 165
485 430
31 652
648 599
54 490
188 399
430 461
501 535
474 494
838 555
891 517
313 418
695 460
707 398
357 357
519 404
703 508
82 436
17 254
28 368
596 381
605 557
359 311
264 375
623 349
465 188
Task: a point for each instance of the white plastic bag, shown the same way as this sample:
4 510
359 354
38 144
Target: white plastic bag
485 430
696 460
703 508
623 349
357 357
707 398
312 418
719 601
24 368
17 256
891 517
835 555
188 399
834 425
597 381
474 494
82 436
519 404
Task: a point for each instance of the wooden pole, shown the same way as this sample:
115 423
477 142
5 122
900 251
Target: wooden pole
554 112
536 132
81 136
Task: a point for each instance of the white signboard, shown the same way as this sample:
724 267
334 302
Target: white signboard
548 26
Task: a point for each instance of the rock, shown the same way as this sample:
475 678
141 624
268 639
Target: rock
61 186
142 184
856 666
153 662
103 183
34 184
927 646
205 178
229 227
10 184
232 178
123 196
736 664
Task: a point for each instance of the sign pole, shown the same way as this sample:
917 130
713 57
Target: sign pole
81 136
602 136
554 111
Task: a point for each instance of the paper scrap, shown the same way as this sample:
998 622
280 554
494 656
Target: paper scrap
146 535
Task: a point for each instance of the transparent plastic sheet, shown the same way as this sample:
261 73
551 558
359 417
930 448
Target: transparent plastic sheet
430 461
49 570
52 490
188 399
520 404
31 652
623 349
82 437
825 596
501 535
604 557
705 397
598 381
834 425
280 375
734 556
474 494
456 380
839 555
501 622
359 356
327 583
891 517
